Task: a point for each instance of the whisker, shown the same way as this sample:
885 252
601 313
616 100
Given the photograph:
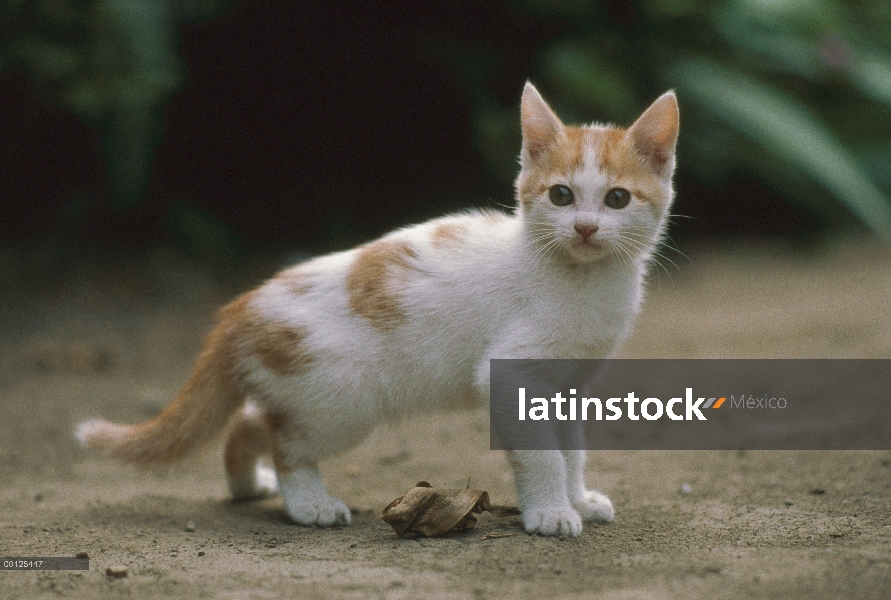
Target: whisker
652 255
542 250
496 203
555 247
628 253
618 250
662 244
536 240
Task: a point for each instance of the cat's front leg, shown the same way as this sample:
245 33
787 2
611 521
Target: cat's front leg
308 502
590 504
540 476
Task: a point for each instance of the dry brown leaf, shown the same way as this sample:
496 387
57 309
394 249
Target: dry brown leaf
432 512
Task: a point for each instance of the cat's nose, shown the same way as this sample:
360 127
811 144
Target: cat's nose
586 231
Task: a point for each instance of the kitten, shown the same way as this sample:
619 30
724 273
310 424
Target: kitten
316 357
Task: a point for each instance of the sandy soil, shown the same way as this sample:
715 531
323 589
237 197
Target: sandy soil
87 334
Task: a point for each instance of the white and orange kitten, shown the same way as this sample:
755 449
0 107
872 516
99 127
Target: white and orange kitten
316 357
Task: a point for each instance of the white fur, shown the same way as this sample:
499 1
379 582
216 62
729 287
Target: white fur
512 286
525 285
488 296
546 282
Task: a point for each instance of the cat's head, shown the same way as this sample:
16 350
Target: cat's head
593 192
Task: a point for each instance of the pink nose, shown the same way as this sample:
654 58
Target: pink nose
586 231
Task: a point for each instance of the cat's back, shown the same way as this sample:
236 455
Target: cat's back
459 279
470 252
429 275
414 310
438 290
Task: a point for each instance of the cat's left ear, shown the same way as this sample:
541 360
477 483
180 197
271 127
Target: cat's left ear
655 133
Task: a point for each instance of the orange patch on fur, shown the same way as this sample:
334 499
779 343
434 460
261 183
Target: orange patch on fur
619 160
565 157
295 281
280 347
251 437
376 280
573 155
614 156
446 234
612 151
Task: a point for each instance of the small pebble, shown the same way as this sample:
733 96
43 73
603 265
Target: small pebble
686 488
201 553
788 502
117 571
818 491
190 526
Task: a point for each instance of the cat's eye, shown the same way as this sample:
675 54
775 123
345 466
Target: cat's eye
617 198
561 195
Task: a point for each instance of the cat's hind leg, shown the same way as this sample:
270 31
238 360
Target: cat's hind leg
590 504
249 440
294 456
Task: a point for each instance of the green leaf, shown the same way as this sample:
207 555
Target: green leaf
871 74
785 127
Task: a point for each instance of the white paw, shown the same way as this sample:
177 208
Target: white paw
552 521
323 513
595 507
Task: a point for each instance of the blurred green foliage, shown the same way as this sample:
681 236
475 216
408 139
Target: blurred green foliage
95 56
794 92
112 62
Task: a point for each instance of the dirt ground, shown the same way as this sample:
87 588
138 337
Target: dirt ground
89 334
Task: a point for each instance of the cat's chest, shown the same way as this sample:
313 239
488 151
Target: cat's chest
585 316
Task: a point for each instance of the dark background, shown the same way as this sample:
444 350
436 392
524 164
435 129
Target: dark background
315 125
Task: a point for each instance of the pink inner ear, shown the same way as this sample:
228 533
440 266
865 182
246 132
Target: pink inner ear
541 127
655 133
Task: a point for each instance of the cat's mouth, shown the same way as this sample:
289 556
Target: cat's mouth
588 245
586 250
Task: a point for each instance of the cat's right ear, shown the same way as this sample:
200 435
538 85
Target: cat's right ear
541 127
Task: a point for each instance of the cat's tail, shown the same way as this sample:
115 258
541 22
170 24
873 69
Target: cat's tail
200 411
